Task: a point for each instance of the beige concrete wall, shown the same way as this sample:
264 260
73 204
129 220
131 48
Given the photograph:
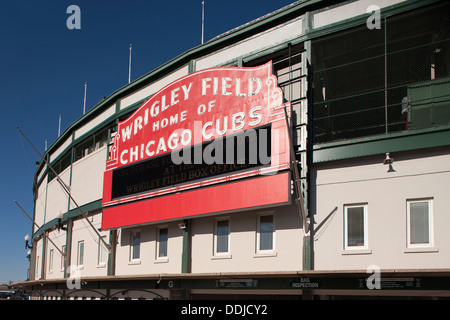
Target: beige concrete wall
56 270
40 204
37 267
243 256
87 177
148 263
82 231
287 255
413 176
57 198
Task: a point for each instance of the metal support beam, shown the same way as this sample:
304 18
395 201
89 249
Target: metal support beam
186 253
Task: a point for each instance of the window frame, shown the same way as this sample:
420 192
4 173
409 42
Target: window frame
50 260
430 243
102 248
265 252
37 273
63 257
160 258
365 246
216 253
80 265
133 260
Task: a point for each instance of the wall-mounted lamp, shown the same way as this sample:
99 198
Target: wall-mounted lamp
60 225
182 225
29 255
388 159
27 246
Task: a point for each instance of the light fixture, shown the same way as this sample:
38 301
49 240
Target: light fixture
182 225
27 238
388 159
60 225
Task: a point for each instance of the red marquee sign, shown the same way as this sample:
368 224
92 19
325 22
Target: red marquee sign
148 177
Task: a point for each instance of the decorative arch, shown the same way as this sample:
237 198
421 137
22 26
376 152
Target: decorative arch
137 290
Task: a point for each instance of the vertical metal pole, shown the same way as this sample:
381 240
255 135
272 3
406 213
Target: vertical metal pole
84 104
186 255
385 77
59 125
129 67
203 20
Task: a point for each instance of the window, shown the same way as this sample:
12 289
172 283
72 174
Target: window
287 65
84 148
91 144
38 275
420 223
80 254
50 261
355 219
266 234
222 237
63 259
102 252
398 60
101 139
135 248
60 165
163 237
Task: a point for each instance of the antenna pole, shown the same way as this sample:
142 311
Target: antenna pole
67 190
129 67
59 125
203 20
84 105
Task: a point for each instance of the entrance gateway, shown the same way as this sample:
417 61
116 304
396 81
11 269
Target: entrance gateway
191 145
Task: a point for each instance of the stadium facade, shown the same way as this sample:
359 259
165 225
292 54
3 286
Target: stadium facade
348 101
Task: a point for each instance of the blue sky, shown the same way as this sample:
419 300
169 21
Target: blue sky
44 66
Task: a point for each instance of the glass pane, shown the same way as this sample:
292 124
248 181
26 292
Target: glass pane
80 253
355 226
163 237
419 223
266 233
101 139
102 252
62 257
136 242
222 236
84 148
66 160
50 261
